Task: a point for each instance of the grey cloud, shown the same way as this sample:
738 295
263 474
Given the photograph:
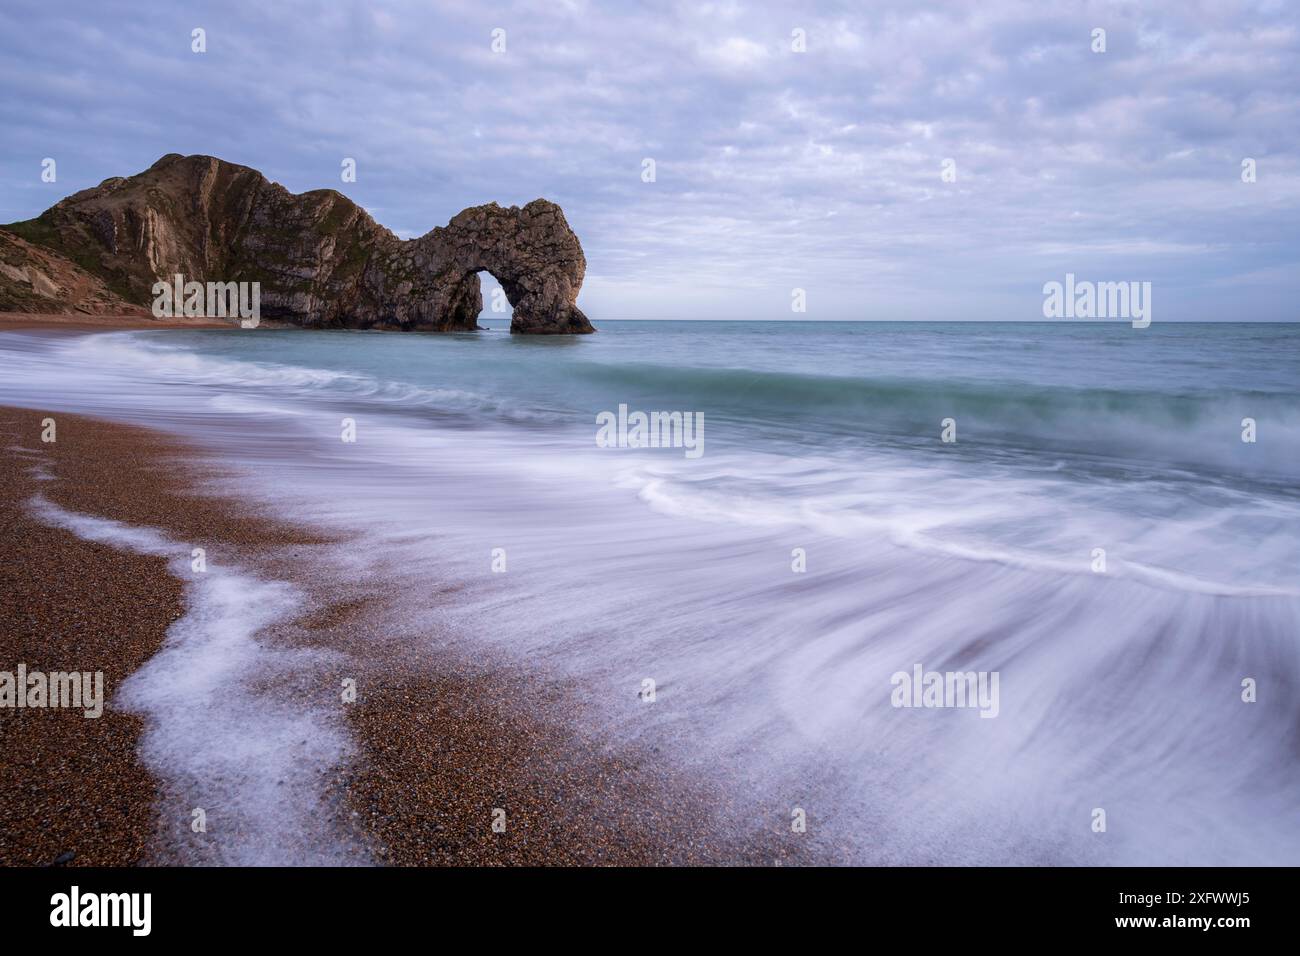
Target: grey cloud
775 169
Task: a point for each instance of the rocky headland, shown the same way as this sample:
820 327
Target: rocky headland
320 259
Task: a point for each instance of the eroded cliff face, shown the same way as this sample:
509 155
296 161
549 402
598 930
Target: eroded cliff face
531 251
322 261
35 279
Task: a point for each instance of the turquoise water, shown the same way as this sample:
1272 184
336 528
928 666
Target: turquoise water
1121 674
1104 393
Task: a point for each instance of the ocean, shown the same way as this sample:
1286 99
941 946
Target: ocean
1069 506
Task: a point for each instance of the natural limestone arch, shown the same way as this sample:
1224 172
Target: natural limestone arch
532 253
319 259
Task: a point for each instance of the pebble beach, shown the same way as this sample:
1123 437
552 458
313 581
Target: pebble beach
443 747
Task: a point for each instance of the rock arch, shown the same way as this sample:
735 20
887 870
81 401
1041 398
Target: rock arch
530 250
319 259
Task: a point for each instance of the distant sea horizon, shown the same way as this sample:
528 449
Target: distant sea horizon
506 321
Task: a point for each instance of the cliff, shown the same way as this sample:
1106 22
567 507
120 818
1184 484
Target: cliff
34 279
321 260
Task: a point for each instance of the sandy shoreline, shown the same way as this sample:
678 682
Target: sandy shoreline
103 323
441 743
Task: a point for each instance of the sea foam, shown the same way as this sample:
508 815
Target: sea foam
217 732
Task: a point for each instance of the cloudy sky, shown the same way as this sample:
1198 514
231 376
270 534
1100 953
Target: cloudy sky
774 169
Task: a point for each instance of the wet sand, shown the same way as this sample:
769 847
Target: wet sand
441 742
104 323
